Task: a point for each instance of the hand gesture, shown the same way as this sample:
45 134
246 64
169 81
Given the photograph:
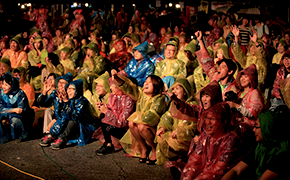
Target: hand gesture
232 104
17 110
160 132
198 35
255 36
103 108
113 73
235 30
47 86
46 60
174 135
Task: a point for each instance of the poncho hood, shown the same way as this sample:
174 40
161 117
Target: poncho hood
102 80
68 77
14 85
183 82
191 46
213 89
78 85
142 48
250 71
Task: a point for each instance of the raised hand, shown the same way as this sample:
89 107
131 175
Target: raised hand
255 36
235 30
198 35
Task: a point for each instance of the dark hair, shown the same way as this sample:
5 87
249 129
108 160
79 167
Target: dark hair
41 45
8 80
230 63
54 59
158 84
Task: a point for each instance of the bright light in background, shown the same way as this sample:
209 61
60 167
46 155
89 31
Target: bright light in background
177 6
75 4
87 4
22 6
19 4
133 5
170 4
28 5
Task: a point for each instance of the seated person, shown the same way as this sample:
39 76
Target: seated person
217 147
272 135
55 99
114 123
15 114
140 67
75 124
5 66
68 64
174 135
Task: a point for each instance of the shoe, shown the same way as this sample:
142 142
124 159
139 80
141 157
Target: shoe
142 160
46 141
151 162
105 149
58 144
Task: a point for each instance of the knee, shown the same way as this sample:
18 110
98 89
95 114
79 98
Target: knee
15 121
131 124
142 128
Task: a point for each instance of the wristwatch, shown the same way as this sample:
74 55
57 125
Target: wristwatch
239 108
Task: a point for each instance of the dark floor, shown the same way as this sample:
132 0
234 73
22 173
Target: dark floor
76 163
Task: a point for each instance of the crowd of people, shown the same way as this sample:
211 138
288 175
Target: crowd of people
208 98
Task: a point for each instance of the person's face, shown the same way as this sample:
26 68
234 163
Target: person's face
37 45
130 29
257 131
1 84
179 92
176 29
63 55
265 40
181 40
275 41
31 40
220 54
169 51
216 46
245 21
206 101
66 15
119 47
19 76
245 81
287 37
14 46
6 87
137 30
61 84
162 31
3 68
114 37
280 48
223 70
100 90
2 45
77 16
57 33
45 41
148 87
210 22
286 62
76 42
114 89
90 52
167 37
51 80
137 55
25 35
67 37
71 91
212 125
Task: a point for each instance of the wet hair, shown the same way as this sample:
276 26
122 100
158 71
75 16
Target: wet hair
158 84
54 59
8 80
230 63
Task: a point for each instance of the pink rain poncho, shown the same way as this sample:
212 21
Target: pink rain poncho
252 100
215 153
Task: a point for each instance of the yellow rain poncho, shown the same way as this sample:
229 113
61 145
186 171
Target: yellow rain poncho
168 147
148 111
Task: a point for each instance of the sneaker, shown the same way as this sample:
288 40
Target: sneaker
105 149
46 141
58 144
